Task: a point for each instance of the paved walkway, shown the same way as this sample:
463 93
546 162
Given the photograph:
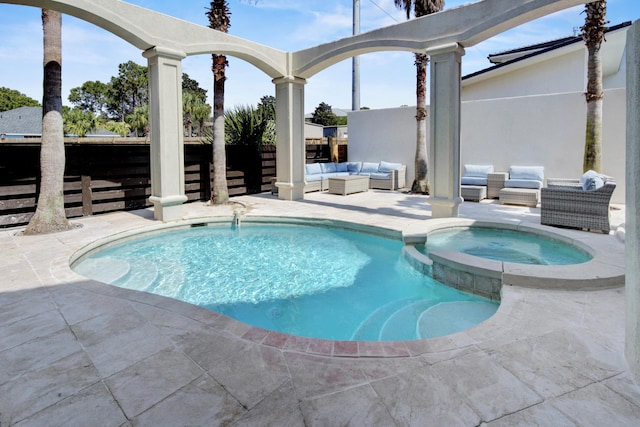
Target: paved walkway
78 352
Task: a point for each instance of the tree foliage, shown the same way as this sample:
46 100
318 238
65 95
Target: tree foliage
108 101
11 99
80 122
194 111
267 107
121 128
91 97
128 90
138 120
193 87
323 115
246 125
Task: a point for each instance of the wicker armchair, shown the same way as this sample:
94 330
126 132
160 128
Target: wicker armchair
564 203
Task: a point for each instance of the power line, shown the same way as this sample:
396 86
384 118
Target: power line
385 12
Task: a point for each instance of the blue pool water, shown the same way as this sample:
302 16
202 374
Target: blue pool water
505 245
309 281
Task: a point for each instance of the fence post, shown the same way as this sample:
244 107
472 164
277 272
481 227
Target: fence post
333 149
87 203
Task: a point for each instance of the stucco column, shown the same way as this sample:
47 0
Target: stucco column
165 117
290 154
632 225
444 141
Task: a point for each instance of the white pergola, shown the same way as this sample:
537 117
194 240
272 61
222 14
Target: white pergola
165 41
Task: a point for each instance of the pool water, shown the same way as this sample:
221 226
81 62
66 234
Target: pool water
316 282
505 245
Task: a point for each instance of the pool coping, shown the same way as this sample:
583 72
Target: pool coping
502 320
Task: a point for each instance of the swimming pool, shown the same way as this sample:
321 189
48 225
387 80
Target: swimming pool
318 282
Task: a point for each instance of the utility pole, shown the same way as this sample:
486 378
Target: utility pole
355 74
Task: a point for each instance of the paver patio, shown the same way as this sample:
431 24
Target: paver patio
78 352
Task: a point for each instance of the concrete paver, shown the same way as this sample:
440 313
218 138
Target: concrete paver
78 352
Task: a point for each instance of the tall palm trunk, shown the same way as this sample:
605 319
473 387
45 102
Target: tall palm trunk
421 181
50 216
593 35
220 191
219 19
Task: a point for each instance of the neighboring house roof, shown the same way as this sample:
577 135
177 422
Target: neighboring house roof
101 133
27 122
23 121
513 56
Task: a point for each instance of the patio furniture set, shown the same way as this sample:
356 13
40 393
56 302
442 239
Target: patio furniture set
576 203
352 177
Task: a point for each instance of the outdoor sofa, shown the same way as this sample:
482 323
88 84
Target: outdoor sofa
382 175
523 186
474 180
578 203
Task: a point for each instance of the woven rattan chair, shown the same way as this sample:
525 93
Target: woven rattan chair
564 203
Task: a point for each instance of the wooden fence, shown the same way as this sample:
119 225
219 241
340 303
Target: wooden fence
105 177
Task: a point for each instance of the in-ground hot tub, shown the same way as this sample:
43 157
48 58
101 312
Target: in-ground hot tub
482 256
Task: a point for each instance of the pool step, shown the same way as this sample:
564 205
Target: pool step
140 277
403 323
369 329
169 286
105 269
449 317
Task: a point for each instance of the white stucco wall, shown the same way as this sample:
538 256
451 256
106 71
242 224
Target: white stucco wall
386 134
545 130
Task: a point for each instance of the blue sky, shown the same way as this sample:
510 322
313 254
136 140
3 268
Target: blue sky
387 79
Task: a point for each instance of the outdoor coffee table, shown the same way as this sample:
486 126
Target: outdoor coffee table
348 184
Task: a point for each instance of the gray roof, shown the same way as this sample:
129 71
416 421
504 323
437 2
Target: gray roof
27 121
21 121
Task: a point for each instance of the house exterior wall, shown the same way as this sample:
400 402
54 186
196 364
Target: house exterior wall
312 130
556 74
559 70
545 130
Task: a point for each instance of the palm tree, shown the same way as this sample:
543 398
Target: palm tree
421 8
50 216
593 35
188 101
194 110
200 112
119 127
139 120
246 125
80 122
219 19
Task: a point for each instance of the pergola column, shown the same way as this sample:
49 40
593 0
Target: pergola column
444 143
632 224
167 140
290 152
